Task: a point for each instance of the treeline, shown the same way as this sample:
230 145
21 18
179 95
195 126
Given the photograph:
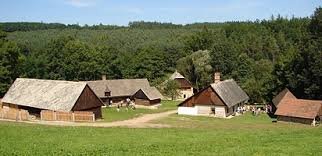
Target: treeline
262 56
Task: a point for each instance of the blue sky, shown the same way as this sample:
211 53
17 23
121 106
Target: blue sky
120 12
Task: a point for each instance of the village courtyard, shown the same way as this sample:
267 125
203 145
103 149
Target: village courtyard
168 134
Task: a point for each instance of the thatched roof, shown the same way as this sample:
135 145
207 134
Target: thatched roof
152 93
299 108
120 87
44 94
230 92
285 94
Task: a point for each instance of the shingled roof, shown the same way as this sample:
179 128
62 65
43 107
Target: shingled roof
230 92
176 75
285 94
299 108
119 87
152 93
44 94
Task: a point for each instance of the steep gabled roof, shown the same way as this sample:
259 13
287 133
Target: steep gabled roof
119 87
299 108
44 94
152 93
229 92
285 94
176 75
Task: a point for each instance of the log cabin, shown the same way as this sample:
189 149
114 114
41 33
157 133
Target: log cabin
35 95
220 99
117 90
147 96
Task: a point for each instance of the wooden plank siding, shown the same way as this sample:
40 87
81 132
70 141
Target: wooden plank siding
205 97
88 101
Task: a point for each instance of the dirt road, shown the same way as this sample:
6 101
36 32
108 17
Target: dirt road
139 122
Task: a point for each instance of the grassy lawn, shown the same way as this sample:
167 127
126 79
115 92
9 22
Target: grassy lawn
243 135
110 114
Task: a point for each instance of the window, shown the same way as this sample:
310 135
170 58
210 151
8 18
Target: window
184 96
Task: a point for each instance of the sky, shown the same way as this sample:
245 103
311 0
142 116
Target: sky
121 12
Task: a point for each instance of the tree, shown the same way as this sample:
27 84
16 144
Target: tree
196 68
171 89
10 60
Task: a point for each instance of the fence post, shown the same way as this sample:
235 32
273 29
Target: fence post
41 112
73 115
19 114
55 115
93 117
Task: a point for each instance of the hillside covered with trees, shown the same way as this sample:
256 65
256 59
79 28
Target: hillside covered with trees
262 56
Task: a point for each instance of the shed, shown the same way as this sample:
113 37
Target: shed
147 96
35 95
299 110
221 99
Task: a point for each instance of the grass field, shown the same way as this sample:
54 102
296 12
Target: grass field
242 135
110 114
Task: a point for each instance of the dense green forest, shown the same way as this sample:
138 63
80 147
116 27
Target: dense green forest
262 56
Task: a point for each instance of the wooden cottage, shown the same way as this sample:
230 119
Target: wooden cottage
147 96
35 95
280 97
114 91
185 87
291 109
221 99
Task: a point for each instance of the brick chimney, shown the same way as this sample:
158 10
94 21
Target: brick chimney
216 77
103 77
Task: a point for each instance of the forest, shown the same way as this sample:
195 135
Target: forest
263 56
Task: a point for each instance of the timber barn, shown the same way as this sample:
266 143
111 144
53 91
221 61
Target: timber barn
147 96
220 99
185 87
118 90
291 109
35 95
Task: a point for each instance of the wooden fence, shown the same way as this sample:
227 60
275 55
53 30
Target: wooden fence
78 116
14 114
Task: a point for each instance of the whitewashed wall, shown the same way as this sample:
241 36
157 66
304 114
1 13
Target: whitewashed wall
187 111
220 111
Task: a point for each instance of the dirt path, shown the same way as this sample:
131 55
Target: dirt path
139 122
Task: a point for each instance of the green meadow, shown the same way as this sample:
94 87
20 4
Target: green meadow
242 135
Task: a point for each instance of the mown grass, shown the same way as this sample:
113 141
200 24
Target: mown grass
111 114
242 135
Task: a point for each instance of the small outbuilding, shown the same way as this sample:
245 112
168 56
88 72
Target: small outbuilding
117 90
220 99
291 109
147 96
35 95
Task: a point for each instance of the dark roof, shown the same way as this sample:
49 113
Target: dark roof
230 92
183 83
44 94
299 108
285 94
119 87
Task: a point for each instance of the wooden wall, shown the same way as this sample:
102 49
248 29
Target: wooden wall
204 97
88 101
147 102
294 119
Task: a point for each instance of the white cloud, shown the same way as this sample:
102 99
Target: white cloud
81 3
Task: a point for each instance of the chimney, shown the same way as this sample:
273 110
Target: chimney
216 77
103 77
